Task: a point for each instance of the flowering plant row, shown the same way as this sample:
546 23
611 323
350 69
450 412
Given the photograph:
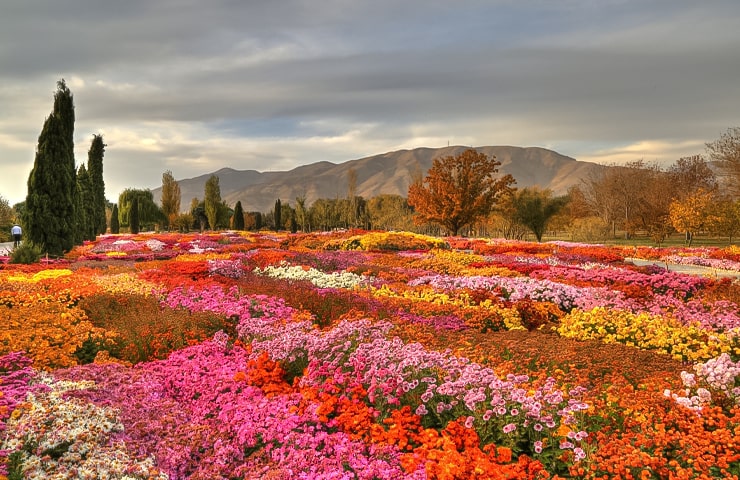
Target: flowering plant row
365 355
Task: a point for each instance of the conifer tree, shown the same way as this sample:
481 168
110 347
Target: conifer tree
238 216
278 215
115 224
95 170
85 206
50 213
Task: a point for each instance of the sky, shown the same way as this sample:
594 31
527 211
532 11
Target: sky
192 86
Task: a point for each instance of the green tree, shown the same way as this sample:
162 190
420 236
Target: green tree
535 207
458 191
277 215
7 218
301 214
115 224
50 214
238 216
212 201
149 212
86 210
324 214
134 215
95 170
389 212
171 197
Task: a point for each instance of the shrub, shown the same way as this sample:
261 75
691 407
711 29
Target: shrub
26 253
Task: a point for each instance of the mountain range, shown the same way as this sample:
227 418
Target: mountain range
389 173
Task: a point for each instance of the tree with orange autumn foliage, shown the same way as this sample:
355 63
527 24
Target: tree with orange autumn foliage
458 190
690 214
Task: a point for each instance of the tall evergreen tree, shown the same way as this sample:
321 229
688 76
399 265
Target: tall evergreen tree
95 170
86 206
278 215
50 213
134 216
238 216
115 224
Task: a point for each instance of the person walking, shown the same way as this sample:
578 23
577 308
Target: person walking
16 231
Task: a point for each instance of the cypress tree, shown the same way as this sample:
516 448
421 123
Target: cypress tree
278 215
51 212
95 170
134 215
238 216
86 213
115 225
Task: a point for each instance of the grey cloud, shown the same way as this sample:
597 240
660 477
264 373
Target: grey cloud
565 73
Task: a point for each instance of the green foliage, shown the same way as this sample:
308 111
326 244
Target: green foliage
182 222
86 208
95 170
534 208
278 212
115 225
7 217
50 212
238 216
389 212
26 253
149 212
134 216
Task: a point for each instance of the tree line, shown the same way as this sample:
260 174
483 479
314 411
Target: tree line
464 194
65 205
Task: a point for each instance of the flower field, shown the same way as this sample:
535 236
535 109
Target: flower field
368 355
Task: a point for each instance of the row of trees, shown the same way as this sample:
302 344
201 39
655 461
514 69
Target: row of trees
464 194
64 205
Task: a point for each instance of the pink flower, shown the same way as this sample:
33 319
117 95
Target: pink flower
469 422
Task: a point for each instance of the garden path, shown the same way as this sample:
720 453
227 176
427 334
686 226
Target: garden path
689 269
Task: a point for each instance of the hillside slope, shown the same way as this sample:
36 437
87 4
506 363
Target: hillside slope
384 173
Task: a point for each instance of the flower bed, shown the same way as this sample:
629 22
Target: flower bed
365 355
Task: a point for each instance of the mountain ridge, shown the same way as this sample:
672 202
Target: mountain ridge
385 173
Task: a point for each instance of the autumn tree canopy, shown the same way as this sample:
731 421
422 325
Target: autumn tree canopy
458 190
726 151
691 213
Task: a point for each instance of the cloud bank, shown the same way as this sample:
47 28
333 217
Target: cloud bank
193 86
